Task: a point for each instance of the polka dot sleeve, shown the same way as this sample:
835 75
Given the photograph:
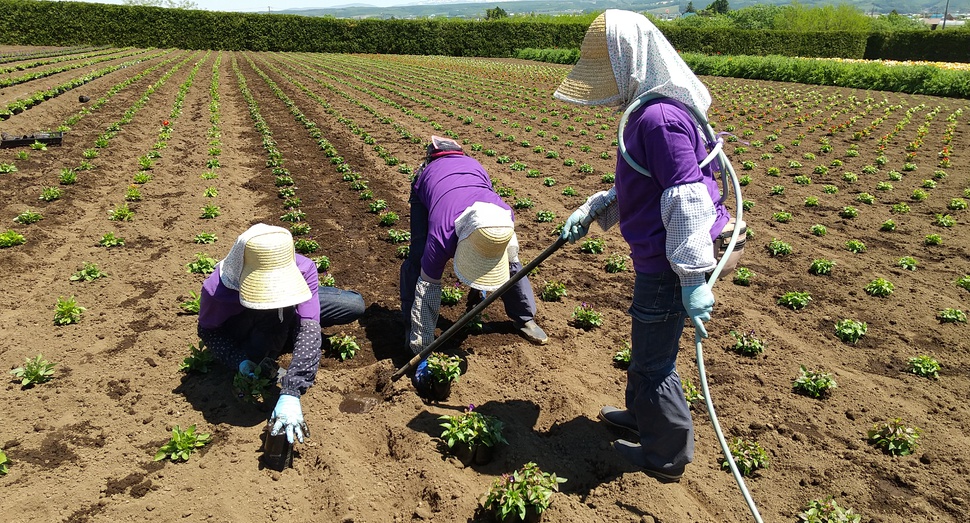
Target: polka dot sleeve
224 348
306 359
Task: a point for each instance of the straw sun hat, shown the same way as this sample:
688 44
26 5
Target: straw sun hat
591 80
485 232
269 278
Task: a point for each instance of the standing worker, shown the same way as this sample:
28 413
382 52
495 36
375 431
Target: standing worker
262 300
669 217
455 213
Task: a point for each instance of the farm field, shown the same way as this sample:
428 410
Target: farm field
81 446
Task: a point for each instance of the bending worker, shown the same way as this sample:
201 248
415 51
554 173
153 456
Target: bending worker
456 214
263 299
668 217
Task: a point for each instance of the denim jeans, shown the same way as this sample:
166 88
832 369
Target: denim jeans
519 301
339 307
653 393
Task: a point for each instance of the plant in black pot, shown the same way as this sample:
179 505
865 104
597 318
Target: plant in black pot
522 495
472 436
445 370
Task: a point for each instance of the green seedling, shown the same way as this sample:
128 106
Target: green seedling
4 462
925 366
933 239
622 356
444 368
299 228
28 217
749 456
253 388
545 216
35 370
795 300
210 211
855 246
777 247
593 246
586 318
951 315
49 194
343 346
814 384
850 331
322 263
818 230
821 267
182 444
306 246
616 263
888 226
747 343
880 288
964 282
553 291
89 272
191 305
205 238
827 511
452 295
377 206
199 360
742 276
472 428
388 218
894 438
529 486
121 213
110 240
327 280
907 262
67 311
203 264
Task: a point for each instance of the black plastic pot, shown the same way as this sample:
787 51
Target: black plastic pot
531 516
440 390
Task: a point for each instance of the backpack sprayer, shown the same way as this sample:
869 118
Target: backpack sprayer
727 256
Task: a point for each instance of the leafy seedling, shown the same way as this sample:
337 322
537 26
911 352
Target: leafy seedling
343 346
553 291
89 272
199 360
67 311
747 344
622 356
850 331
925 366
749 456
828 511
3 463
894 438
182 444
35 370
814 384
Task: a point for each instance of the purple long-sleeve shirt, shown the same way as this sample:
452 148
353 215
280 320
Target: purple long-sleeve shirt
446 187
662 137
228 329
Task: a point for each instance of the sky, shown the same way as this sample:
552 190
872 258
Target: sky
249 6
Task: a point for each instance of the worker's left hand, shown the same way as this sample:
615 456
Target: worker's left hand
699 302
288 415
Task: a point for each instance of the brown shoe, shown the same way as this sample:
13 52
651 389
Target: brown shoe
530 331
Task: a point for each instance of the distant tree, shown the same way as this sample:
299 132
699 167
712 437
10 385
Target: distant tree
759 16
896 22
690 8
719 7
843 17
171 4
495 13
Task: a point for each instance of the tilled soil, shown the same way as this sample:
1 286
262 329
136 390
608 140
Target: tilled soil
81 446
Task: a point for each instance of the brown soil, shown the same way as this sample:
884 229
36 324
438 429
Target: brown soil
81 445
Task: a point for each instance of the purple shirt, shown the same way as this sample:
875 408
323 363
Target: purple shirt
218 303
663 138
446 187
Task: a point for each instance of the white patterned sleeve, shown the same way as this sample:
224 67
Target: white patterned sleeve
688 215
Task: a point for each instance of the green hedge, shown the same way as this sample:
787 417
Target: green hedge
830 44
936 46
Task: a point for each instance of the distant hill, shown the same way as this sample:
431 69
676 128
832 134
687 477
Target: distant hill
670 8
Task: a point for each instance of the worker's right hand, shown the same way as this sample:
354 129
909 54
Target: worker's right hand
422 379
248 368
577 225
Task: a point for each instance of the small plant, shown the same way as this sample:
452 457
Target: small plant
777 247
944 220
887 226
50 194
616 263
957 204
925 366
919 195
28 217
795 300
933 239
451 295
523 203
67 311
3 463
89 272
818 230
782 217
951 315
472 428
749 456
849 212
110 240
850 331
444 368
553 291
396 236
894 438
205 238
569 191
7 168
811 201
814 384
907 262
203 264
899 208
855 246
343 346
191 305
880 288
545 216
198 361
67 177
850 177
253 387
586 318
182 444
306 245
388 218
830 189
622 356
593 246
828 511
821 267
777 189
145 177
515 494
322 263
964 282
548 181
38 146
742 276
865 198
377 206
327 280
691 392
35 370
747 344
122 213
10 238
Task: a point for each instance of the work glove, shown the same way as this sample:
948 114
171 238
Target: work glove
577 225
248 368
422 379
288 415
699 302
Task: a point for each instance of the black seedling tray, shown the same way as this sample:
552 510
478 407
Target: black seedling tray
7 140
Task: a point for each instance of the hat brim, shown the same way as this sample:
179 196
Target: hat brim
271 279
475 267
591 81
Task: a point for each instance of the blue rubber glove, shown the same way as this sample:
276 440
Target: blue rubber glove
422 379
288 415
248 368
699 302
577 225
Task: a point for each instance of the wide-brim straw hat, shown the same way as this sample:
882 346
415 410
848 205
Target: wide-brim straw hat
270 278
482 259
591 81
